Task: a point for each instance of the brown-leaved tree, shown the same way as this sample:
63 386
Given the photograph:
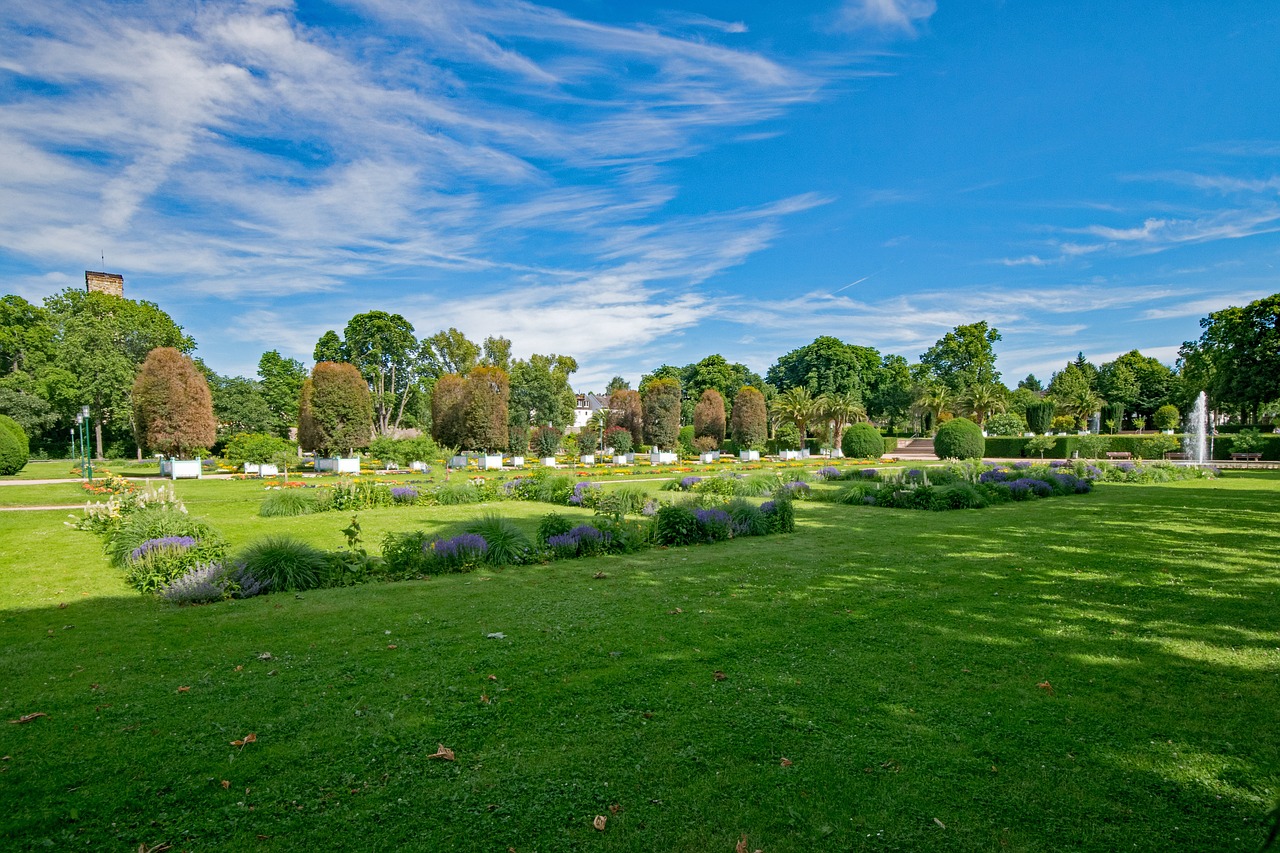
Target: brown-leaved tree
172 406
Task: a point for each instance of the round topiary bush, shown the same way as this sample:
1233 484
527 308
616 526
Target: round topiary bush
862 441
959 438
14 449
1167 417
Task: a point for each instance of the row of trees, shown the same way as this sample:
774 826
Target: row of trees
87 348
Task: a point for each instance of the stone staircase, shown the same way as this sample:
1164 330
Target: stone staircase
915 448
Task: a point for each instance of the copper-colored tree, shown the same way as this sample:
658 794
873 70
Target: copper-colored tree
749 425
172 406
708 417
626 410
335 412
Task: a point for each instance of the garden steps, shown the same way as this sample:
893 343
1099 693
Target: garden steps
915 448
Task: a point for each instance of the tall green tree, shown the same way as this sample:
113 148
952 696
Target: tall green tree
172 405
282 380
383 348
485 409
239 405
541 393
828 366
447 351
626 410
101 341
964 357
329 348
800 407
497 353
1153 384
891 394
1237 358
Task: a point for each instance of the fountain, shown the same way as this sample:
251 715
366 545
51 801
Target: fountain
1195 443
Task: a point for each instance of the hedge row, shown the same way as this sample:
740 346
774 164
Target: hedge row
1012 448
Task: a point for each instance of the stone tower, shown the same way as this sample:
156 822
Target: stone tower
104 282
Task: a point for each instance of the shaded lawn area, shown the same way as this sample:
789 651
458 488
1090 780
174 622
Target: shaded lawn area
1096 673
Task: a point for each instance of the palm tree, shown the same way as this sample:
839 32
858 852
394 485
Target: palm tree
1082 403
932 400
984 399
799 406
595 426
841 408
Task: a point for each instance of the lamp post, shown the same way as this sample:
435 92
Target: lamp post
84 435
75 444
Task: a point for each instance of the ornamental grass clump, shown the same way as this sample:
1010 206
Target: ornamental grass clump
285 563
167 542
505 543
285 503
747 519
621 501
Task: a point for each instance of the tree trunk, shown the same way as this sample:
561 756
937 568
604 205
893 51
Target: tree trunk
97 433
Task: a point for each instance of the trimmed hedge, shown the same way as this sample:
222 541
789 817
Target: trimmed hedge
1013 448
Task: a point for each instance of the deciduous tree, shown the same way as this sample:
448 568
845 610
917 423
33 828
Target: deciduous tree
661 400
172 405
708 417
337 408
750 419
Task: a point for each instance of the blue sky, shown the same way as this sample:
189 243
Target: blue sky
634 184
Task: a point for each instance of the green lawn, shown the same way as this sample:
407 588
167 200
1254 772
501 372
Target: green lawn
1097 673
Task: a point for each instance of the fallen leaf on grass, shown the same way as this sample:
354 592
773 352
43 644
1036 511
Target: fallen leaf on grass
939 823
444 752
615 808
391 645
62 606
184 689
238 668
484 699
493 678
599 576
159 848
787 762
26 718
6 757
265 656
249 738
720 676
741 846
1046 686
599 822
674 612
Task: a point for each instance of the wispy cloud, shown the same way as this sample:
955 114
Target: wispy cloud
902 17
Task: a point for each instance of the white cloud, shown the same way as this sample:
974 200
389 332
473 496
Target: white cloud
892 16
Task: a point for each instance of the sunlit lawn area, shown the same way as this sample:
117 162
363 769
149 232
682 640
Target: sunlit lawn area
1099 672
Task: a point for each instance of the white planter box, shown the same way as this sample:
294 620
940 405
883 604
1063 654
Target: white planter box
631 458
181 469
517 461
620 460
1167 431
836 453
1030 434
490 463
548 461
249 467
789 455
588 459
458 462
749 455
417 466
1082 432
608 451
340 464
804 454
266 469
660 458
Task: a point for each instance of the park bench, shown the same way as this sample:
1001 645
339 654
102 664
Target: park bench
1176 456
1246 457
1119 454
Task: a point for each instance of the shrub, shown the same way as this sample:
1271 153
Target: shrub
959 438
1093 446
1157 446
1246 441
285 563
584 494
862 441
619 438
460 553
1063 423
747 519
507 544
585 540
552 524
749 422
684 441
286 503
170 556
1166 417
1040 417
620 501
456 494
708 418
780 512
1005 423
335 412
960 496
209 582
254 447
676 525
1041 444
405 553
404 494
714 524
15 449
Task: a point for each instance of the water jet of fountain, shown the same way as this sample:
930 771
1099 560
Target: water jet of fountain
1195 443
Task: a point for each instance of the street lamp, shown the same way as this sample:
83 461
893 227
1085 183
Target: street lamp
84 435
